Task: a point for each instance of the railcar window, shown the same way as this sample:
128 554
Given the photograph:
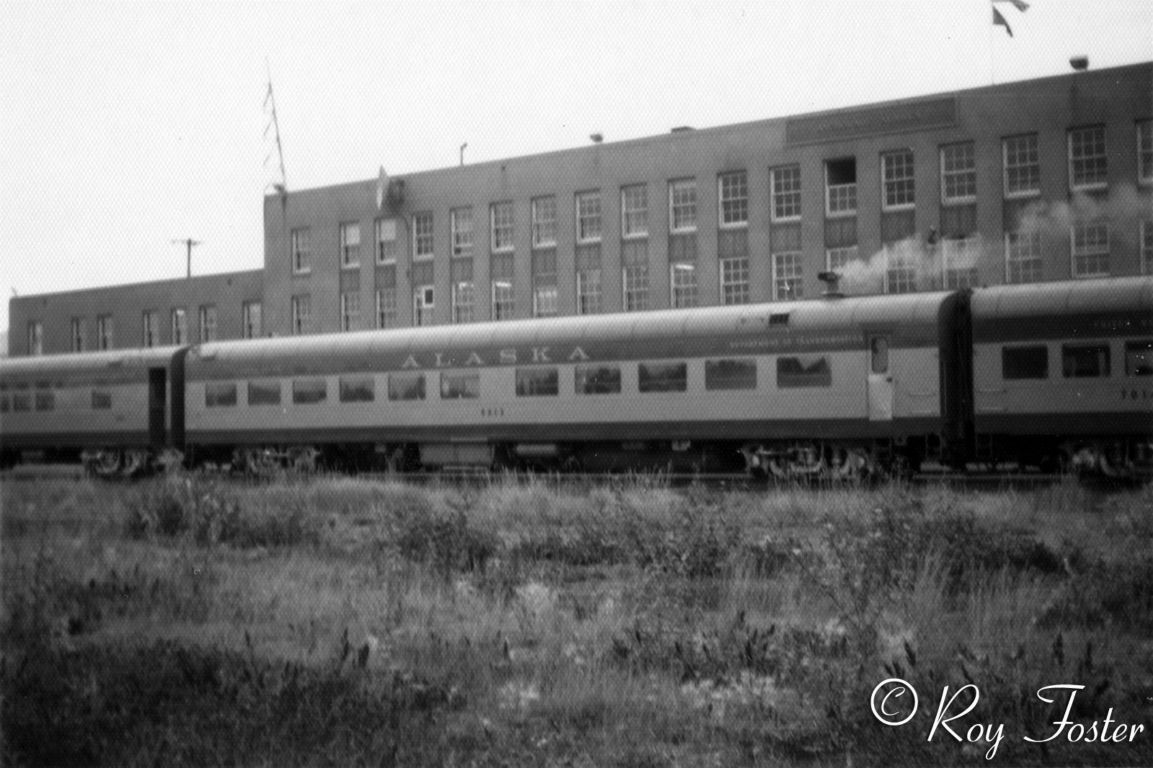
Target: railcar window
309 391
662 377
459 386
1085 361
1024 363
45 398
1139 358
406 386
4 402
264 393
597 379
537 382
21 398
879 357
797 372
357 389
101 399
220 394
731 374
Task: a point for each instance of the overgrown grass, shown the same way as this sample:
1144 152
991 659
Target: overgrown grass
192 620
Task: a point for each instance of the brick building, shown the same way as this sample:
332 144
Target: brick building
1029 181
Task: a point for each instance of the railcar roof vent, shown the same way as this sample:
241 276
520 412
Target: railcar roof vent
831 280
682 129
778 319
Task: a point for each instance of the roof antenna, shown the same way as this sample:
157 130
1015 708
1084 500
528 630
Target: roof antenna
274 126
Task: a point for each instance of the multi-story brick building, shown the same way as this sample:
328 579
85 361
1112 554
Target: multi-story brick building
1029 181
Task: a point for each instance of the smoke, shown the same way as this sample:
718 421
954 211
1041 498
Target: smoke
919 261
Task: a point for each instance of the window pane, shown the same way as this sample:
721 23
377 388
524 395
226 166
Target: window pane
794 372
730 374
45 399
1025 363
357 389
307 391
101 400
1139 358
597 379
459 386
264 393
531 382
219 394
662 377
1087 361
402 386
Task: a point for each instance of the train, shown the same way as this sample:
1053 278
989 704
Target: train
1053 376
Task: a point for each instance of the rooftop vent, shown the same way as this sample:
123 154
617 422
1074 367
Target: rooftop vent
682 129
597 137
1079 63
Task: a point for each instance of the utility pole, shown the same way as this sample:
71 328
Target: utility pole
189 242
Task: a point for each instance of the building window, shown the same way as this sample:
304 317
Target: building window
463 301
460 220
35 338
544 288
735 281
349 245
897 180
104 332
386 308
1147 247
588 288
251 320
635 211
1145 151
1023 257
785 184
544 222
683 285
150 331
301 255
734 197
1090 249
683 205
841 187
959 259
349 310
636 287
503 300
207 316
502 229
1022 163
787 276
76 333
836 259
958 173
423 304
422 244
588 211
179 326
900 270
301 314
1088 164
386 241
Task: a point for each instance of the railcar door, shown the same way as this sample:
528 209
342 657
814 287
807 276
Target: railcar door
157 405
880 379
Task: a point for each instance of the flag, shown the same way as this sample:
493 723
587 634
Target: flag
999 19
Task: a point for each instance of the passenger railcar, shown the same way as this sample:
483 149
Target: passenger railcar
117 410
800 387
1063 375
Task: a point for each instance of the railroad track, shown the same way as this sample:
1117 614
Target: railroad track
984 481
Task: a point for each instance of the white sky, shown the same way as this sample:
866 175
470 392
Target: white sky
126 125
